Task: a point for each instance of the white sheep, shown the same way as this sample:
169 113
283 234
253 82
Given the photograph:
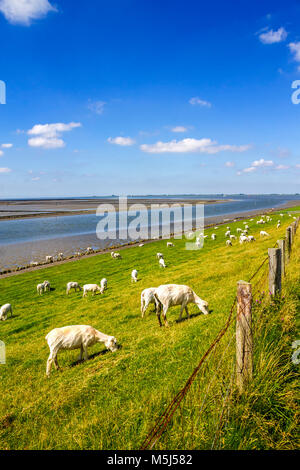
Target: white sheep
117 256
227 234
73 285
34 263
243 239
278 225
264 234
232 237
170 244
75 337
228 243
170 295
134 276
60 257
47 286
147 297
213 236
141 245
49 259
162 263
159 255
112 254
239 230
41 288
103 284
4 311
89 250
251 238
91 288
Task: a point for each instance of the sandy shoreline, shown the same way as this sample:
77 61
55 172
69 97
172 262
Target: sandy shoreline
11 210
60 244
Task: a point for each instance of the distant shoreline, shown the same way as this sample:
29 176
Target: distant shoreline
28 209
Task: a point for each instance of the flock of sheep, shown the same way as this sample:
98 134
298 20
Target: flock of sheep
163 297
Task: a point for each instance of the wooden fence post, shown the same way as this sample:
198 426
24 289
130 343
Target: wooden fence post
281 245
274 270
288 239
244 341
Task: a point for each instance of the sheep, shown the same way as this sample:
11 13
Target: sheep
75 337
213 236
228 243
281 215
134 275
91 288
264 234
216 227
243 239
239 230
278 225
112 254
147 297
251 238
169 295
103 284
73 285
245 232
159 255
232 237
246 227
89 250
227 234
117 256
4 310
47 286
60 257
34 263
40 288
170 244
141 244
49 259
162 263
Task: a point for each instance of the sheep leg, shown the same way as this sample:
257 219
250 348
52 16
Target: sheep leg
165 316
85 353
181 311
81 352
49 364
56 363
187 312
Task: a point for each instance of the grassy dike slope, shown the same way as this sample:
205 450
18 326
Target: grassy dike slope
110 401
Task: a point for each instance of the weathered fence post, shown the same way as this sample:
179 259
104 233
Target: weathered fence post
244 341
288 239
274 270
281 245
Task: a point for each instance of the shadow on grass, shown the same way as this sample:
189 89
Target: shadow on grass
92 356
192 315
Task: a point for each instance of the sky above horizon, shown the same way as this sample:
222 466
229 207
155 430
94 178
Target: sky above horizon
149 97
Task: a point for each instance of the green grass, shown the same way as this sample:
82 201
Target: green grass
111 401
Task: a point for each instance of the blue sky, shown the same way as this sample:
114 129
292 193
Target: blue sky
140 97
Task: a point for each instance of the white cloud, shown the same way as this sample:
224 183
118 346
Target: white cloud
35 178
229 164
295 49
1 153
48 135
24 11
179 129
262 163
282 167
123 141
249 170
96 106
197 101
272 37
6 146
5 170
191 146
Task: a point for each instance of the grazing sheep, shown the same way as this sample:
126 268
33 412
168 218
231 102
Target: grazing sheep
89 250
216 227
227 234
103 284
170 244
278 225
239 230
232 237
213 236
246 227
245 232
4 310
91 288
147 297
243 239
49 259
34 263
228 243
159 255
112 254
281 215
264 234
141 244
170 295
117 256
60 257
73 285
75 337
47 286
162 263
251 238
134 275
